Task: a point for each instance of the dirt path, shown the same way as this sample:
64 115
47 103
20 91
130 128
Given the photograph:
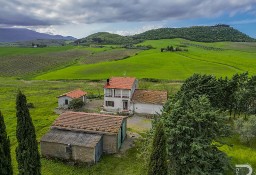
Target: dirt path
135 125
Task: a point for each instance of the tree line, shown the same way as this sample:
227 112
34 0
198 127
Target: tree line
194 122
27 154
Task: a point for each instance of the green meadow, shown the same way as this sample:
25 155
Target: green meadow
74 69
168 65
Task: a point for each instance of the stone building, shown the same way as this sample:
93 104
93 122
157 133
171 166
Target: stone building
83 137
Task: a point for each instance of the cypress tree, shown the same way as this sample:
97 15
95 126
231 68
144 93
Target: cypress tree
5 156
27 154
158 158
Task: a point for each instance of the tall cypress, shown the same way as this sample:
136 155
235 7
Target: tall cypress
158 158
27 154
5 155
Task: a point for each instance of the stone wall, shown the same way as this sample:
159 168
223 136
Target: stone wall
110 144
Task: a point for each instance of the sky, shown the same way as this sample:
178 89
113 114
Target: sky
80 18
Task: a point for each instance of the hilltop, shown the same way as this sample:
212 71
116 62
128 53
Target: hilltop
215 33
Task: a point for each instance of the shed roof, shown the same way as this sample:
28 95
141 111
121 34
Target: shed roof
74 94
149 97
89 122
120 83
70 137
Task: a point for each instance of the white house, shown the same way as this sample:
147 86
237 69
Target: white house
148 101
65 99
121 95
118 92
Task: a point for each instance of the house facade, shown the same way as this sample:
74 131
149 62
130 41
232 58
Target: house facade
118 92
84 137
65 99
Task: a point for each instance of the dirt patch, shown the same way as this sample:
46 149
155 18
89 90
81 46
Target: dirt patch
94 105
139 124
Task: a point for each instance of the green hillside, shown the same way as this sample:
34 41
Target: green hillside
105 38
197 33
215 33
220 59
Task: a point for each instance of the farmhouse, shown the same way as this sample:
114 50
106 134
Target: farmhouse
84 137
65 99
122 96
118 92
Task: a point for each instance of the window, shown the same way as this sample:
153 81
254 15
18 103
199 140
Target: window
66 101
125 94
108 93
110 103
117 93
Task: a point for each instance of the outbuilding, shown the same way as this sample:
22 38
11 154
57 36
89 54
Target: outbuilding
68 145
148 101
65 99
81 136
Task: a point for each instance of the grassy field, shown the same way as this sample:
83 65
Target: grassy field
169 65
69 64
43 95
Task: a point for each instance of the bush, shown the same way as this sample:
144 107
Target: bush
30 105
76 104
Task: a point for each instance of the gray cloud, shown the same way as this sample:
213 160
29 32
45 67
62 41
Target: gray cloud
48 12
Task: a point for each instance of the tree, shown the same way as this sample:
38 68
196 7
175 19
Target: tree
193 128
5 155
76 104
158 158
27 154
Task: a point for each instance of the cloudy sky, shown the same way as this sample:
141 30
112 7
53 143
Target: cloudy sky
80 18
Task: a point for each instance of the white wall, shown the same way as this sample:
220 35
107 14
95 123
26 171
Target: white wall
61 101
118 102
147 108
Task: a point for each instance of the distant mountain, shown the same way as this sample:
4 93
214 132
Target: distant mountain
217 33
21 34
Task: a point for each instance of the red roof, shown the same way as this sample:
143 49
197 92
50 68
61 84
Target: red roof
120 83
89 122
74 94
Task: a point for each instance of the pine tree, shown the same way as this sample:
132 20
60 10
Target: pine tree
193 128
5 156
27 154
158 158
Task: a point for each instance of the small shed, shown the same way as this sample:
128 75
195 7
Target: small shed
148 101
65 99
69 145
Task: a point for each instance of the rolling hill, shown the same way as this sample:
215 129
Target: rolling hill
22 34
215 33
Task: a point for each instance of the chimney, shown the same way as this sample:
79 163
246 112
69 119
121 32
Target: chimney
107 81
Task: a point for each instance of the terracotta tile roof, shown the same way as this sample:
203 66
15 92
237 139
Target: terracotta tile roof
70 137
148 96
74 94
120 83
89 122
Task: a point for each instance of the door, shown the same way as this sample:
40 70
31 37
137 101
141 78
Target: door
125 105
